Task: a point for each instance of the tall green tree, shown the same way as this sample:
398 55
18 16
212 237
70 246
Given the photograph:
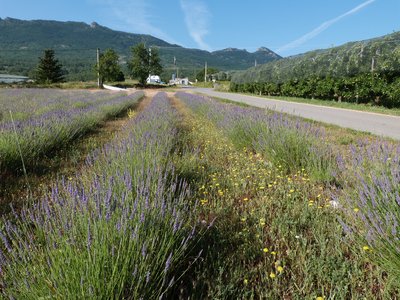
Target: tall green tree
144 62
49 69
109 68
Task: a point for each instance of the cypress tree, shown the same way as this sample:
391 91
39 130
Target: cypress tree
49 70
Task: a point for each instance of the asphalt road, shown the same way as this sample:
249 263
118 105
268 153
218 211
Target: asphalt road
378 124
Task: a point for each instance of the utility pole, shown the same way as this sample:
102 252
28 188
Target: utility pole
205 72
149 63
255 62
98 68
176 69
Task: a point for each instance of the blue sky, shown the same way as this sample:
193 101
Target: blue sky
286 26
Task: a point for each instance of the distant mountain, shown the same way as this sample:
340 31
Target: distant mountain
243 57
75 44
380 54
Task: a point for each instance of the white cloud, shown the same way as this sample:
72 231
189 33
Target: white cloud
321 28
134 16
196 18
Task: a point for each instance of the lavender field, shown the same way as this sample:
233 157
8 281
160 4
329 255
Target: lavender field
34 122
198 199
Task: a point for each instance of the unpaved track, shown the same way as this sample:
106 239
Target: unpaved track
379 124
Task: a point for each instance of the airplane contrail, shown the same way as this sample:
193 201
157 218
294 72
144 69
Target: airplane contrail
322 27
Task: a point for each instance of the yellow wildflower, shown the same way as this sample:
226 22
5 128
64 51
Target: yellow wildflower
279 269
265 249
272 275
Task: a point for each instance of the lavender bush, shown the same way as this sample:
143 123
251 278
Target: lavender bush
372 199
52 123
285 141
29 103
118 231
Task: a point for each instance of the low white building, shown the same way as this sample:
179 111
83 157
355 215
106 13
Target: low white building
180 81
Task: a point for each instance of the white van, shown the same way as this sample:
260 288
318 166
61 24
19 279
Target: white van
153 79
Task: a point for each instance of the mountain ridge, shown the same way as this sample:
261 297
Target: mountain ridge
75 44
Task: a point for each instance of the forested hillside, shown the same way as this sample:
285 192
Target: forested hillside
75 44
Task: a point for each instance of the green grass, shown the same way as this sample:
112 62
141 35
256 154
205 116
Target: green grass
202 84
344 105
223 100
222 86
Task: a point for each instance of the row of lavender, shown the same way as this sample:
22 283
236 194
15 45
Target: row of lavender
371 202
118 231
45 120
369 174
28 103
286 141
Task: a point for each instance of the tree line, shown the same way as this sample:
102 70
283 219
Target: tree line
376 88
142 63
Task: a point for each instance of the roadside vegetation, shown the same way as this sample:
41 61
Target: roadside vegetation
348 73
202 199
381 89
225 86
